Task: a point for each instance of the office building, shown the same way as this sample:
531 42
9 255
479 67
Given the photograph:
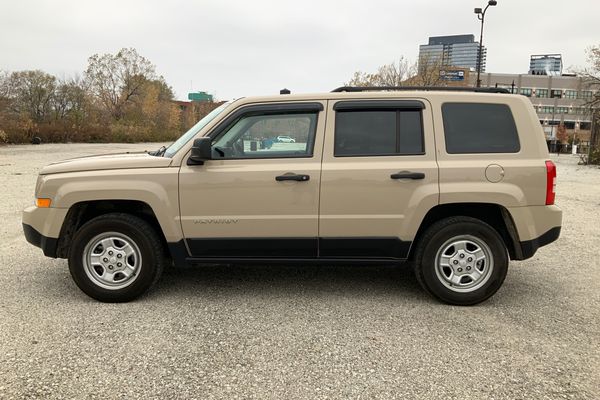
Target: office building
556 99
545 64
453 51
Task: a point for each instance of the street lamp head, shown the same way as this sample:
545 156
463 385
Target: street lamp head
478 11
492 3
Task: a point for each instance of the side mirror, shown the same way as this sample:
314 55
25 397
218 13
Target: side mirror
201 151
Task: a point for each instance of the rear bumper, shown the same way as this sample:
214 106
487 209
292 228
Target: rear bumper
536 226
529 247
47 244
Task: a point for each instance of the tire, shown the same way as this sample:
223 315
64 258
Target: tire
135 262
461 261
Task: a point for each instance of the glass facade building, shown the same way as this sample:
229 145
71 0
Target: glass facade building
545 64
455 51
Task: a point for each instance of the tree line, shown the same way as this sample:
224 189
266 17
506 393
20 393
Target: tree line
118 98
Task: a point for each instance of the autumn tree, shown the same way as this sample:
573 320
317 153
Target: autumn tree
30 94
117 80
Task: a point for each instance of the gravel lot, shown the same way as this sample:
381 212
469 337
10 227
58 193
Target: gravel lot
299 332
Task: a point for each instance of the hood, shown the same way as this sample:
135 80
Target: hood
107 161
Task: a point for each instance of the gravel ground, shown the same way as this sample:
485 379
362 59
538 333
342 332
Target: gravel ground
299 332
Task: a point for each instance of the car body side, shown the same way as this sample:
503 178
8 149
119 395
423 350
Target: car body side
456 183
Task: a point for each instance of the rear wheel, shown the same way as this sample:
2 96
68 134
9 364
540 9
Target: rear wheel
461 260
116 257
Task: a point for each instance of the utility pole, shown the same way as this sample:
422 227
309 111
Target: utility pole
481 16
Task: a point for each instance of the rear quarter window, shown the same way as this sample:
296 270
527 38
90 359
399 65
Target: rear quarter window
479 128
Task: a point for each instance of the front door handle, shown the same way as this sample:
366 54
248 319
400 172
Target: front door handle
292 177
408 175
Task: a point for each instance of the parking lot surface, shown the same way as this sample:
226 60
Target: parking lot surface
271 332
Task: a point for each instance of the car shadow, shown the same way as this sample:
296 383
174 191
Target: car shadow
290 280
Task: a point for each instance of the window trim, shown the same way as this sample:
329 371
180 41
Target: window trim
383 105
269 109
392 105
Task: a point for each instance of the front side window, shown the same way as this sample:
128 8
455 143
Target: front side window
479 128
268 135
378 133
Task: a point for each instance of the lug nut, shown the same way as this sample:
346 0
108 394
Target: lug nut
455 262
119 255
110 253
119 264
105 259
461 256
110 267
460 270
470 259
468 268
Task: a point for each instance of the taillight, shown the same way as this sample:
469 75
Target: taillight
550 183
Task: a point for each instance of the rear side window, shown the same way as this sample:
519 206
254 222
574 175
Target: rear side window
378 133
479 128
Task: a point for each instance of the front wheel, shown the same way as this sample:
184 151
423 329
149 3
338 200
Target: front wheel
461 260
116 257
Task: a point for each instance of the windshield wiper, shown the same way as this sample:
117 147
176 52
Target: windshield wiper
158 153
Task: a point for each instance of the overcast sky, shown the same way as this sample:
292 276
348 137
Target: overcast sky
243 48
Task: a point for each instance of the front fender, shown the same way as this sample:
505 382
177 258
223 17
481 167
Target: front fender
156 187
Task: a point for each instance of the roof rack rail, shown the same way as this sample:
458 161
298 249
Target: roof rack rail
423 88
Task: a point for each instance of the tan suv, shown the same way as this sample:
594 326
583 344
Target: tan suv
455 181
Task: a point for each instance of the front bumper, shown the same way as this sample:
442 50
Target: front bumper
42 226
47 244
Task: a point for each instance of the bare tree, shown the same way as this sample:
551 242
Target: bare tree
117 79
401 73
428 72
393 74
591 77
70 99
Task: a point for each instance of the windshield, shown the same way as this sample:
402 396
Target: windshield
186 137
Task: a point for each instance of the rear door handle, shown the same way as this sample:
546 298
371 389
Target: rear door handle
292 177
408 175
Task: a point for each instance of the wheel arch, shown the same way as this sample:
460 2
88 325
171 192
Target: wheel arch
83 211
495 215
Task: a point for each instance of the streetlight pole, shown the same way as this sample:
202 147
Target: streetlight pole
481 16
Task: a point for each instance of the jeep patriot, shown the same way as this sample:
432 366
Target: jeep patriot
457 182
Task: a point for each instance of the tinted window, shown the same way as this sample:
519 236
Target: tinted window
378 133
479 128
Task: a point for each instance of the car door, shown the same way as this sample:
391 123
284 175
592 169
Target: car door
379 177
257 197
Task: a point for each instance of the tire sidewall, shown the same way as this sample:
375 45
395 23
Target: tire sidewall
146 272
482 232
